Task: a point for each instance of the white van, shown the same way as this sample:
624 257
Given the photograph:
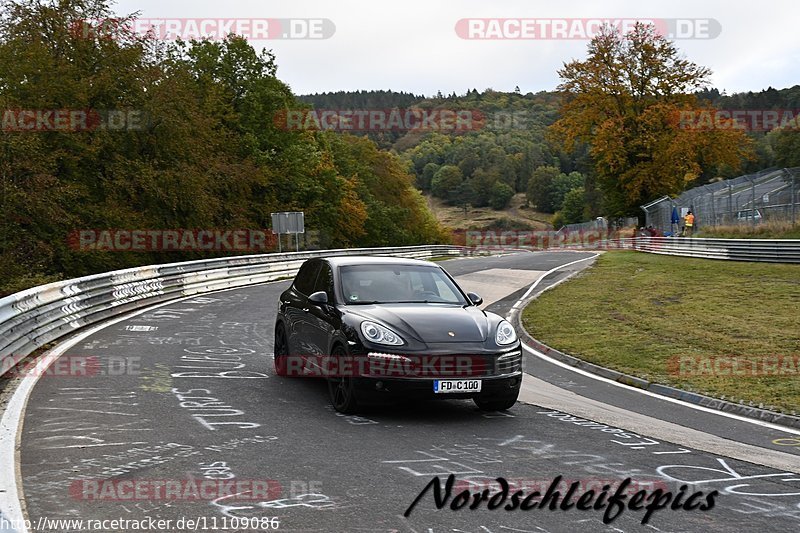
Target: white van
747 214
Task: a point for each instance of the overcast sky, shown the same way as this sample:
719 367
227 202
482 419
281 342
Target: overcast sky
412 45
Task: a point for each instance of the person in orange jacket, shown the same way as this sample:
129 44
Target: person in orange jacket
688 222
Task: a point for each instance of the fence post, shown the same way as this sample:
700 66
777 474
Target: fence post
791 175
713 207
730 219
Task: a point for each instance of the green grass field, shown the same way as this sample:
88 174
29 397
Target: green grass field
638 313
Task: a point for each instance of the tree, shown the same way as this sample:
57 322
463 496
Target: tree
207 153
574 209
445 181
561 185
481 184
540 187
625 100
425 179
463 196
396 213
501 195
785 144
469 163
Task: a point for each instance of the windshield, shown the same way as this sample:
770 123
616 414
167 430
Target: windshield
367 284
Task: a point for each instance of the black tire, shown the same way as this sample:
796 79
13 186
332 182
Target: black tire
340 388
281 350
496 403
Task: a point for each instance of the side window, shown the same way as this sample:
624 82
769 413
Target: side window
304 281
325 282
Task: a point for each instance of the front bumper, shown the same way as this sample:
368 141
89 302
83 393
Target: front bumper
375 389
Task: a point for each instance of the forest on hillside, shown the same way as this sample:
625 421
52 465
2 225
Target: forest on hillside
512 153
204 151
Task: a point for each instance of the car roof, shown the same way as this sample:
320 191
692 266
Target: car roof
352 260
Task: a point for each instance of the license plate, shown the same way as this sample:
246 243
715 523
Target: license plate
444 386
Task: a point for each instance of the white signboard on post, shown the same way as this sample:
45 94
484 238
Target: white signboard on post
289 222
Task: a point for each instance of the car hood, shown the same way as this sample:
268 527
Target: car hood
431 323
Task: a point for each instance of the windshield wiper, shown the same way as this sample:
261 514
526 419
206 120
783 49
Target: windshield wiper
424 302
372 302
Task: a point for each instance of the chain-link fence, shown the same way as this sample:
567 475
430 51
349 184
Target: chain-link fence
599 224
772 195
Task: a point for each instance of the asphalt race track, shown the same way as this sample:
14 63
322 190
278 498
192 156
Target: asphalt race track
187 392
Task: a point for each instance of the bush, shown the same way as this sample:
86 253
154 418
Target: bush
574 209
446 181
504 224
540 186
501 195
26 281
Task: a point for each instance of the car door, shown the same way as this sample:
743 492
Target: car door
322 318
296 307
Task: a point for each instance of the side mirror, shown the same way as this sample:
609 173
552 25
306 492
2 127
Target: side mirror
474 298
319 297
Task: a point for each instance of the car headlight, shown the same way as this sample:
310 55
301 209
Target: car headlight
505 333
379 334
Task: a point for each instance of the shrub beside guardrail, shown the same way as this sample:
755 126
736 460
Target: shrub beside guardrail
34 317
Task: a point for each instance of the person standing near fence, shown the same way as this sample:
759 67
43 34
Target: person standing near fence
688 222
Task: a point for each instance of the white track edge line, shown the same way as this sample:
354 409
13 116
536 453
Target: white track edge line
518 303
11 422
659 396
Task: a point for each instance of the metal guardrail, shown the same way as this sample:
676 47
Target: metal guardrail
766 250
34 317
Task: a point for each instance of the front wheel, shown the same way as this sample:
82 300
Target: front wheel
496 403
281 350
340 388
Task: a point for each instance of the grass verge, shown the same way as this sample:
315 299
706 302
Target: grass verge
664 318
769 230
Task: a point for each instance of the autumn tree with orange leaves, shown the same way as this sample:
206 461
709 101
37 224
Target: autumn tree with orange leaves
628 101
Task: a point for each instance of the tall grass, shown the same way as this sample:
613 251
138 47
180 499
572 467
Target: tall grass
772 229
